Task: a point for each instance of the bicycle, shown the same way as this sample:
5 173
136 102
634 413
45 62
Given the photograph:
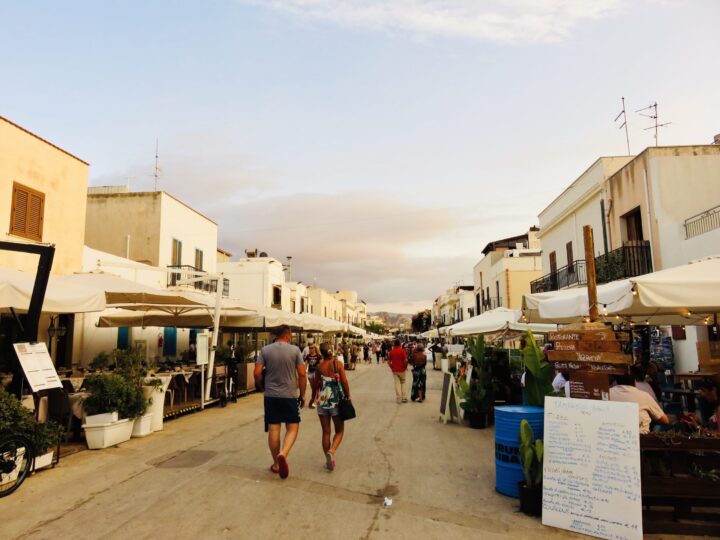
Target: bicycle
16 457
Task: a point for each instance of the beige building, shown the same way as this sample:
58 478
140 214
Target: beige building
42 198
325 304
503 275
454 305
258 280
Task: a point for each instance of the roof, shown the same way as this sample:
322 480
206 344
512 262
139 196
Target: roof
220 250
149 194
56 147
508 243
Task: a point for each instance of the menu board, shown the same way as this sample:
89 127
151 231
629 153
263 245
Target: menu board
37 365
591 468
589 385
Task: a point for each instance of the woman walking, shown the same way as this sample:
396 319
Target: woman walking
418 361
330 386
312 360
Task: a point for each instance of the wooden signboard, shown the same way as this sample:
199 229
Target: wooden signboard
589 385
588 346
595 357
449 401
591 468
608 369
582 335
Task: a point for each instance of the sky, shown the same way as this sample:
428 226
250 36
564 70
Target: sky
380 143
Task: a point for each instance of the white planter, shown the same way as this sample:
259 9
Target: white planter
104 435
103 418
43 461
157 407
143 425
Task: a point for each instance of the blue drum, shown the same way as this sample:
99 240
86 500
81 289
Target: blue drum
508 469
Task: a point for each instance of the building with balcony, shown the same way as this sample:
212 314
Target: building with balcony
324 304
454 305
299 299
503 275
258 280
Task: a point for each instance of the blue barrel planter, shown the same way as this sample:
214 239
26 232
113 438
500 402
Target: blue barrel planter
508 469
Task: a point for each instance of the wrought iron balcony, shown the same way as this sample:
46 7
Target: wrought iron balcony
186 272
633 259
702 223
490 303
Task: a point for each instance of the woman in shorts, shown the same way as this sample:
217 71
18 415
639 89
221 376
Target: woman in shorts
311 361
330 386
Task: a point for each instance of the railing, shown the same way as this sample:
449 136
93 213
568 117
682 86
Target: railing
630 260
702 223
185 271
490 303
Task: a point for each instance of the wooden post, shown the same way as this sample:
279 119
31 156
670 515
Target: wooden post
590 269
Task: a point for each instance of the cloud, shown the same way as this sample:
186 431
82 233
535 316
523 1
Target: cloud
356 240
504 21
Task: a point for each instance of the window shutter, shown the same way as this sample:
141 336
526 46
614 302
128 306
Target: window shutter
35 217
18 224
26 215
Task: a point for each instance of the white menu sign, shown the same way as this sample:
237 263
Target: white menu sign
591 468
37 365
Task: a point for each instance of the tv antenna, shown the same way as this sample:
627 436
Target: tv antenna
624 124
158 169
653 115
127 181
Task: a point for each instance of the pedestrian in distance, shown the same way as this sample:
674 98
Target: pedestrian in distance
398 362
331 386
312 359
280 373
418 360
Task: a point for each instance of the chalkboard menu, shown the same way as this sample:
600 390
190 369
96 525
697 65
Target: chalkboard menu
591 468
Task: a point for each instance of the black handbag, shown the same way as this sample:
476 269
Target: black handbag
346 409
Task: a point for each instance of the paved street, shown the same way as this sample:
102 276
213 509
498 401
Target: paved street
206 476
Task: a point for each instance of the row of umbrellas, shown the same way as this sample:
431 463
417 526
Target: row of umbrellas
121 302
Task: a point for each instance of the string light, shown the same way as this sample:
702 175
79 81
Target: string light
689 313
604 309
634 292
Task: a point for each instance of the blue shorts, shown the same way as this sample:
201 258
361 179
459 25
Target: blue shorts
282 410
324 411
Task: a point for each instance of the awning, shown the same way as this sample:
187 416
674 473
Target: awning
497 320
686 294
60 297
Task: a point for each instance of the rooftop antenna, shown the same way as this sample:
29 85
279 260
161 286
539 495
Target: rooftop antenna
158 170
653 115
624 124
127 181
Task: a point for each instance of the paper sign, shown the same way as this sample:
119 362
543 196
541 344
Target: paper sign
37 366
202 348
591 468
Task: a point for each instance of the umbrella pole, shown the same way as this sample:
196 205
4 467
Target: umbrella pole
216 331
591 276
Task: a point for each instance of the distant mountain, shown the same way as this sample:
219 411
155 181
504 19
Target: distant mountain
393 320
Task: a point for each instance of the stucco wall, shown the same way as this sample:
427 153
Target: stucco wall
252 280
32 162
194 230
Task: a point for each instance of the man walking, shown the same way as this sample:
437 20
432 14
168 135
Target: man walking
284 376
398 362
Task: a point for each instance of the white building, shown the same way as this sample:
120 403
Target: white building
503 275
258 280
454 305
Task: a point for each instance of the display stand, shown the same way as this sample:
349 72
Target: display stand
449 401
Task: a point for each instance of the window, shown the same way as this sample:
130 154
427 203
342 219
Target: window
277 295
198 259
570 259
27 212
176 252
325 312
497 293
553 262
302 305
633 225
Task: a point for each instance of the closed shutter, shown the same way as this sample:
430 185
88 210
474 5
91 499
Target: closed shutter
26 216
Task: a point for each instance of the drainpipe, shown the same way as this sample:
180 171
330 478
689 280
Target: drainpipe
604 224
650 228
127 247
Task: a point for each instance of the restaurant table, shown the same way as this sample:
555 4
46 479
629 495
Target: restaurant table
75 381
694 375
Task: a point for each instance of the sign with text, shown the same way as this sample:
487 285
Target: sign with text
589 385
609 369
202 349
37 366
591 468
588 346
596 357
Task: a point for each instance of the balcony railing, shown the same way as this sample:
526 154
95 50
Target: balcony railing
185 272
702 223
628 261
490 303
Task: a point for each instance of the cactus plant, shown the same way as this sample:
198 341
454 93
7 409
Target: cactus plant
531 455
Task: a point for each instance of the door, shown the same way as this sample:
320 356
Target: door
123 338
170 341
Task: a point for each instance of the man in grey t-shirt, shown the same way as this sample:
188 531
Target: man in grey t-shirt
284 376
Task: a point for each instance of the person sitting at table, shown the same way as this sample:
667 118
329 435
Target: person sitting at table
709 391
649 409
638 374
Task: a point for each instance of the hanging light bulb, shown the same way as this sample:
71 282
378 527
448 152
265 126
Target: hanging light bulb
689 313
605 309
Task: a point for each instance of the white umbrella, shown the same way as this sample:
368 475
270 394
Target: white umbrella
497 320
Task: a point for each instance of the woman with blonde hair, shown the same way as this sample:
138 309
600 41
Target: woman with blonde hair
330 386
312 359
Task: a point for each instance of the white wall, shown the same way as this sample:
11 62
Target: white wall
252 280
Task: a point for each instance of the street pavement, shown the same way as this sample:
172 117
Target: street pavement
207 476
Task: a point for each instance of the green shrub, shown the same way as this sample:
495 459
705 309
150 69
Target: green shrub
113 392
538 373
16 419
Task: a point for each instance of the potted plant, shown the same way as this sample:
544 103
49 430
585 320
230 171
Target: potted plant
531 457
111 394
135 368
100 362
478 393
538 373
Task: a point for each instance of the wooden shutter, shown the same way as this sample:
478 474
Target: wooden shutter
26 216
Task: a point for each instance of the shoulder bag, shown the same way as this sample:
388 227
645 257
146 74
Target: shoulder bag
345 406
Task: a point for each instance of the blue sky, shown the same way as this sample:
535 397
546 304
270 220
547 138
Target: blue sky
380 143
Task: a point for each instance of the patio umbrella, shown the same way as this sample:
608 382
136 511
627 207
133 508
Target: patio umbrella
497 320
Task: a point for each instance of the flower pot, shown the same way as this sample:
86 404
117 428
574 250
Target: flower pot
157 406
477 419
104 418
43 461
530 499
110 434
143 425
